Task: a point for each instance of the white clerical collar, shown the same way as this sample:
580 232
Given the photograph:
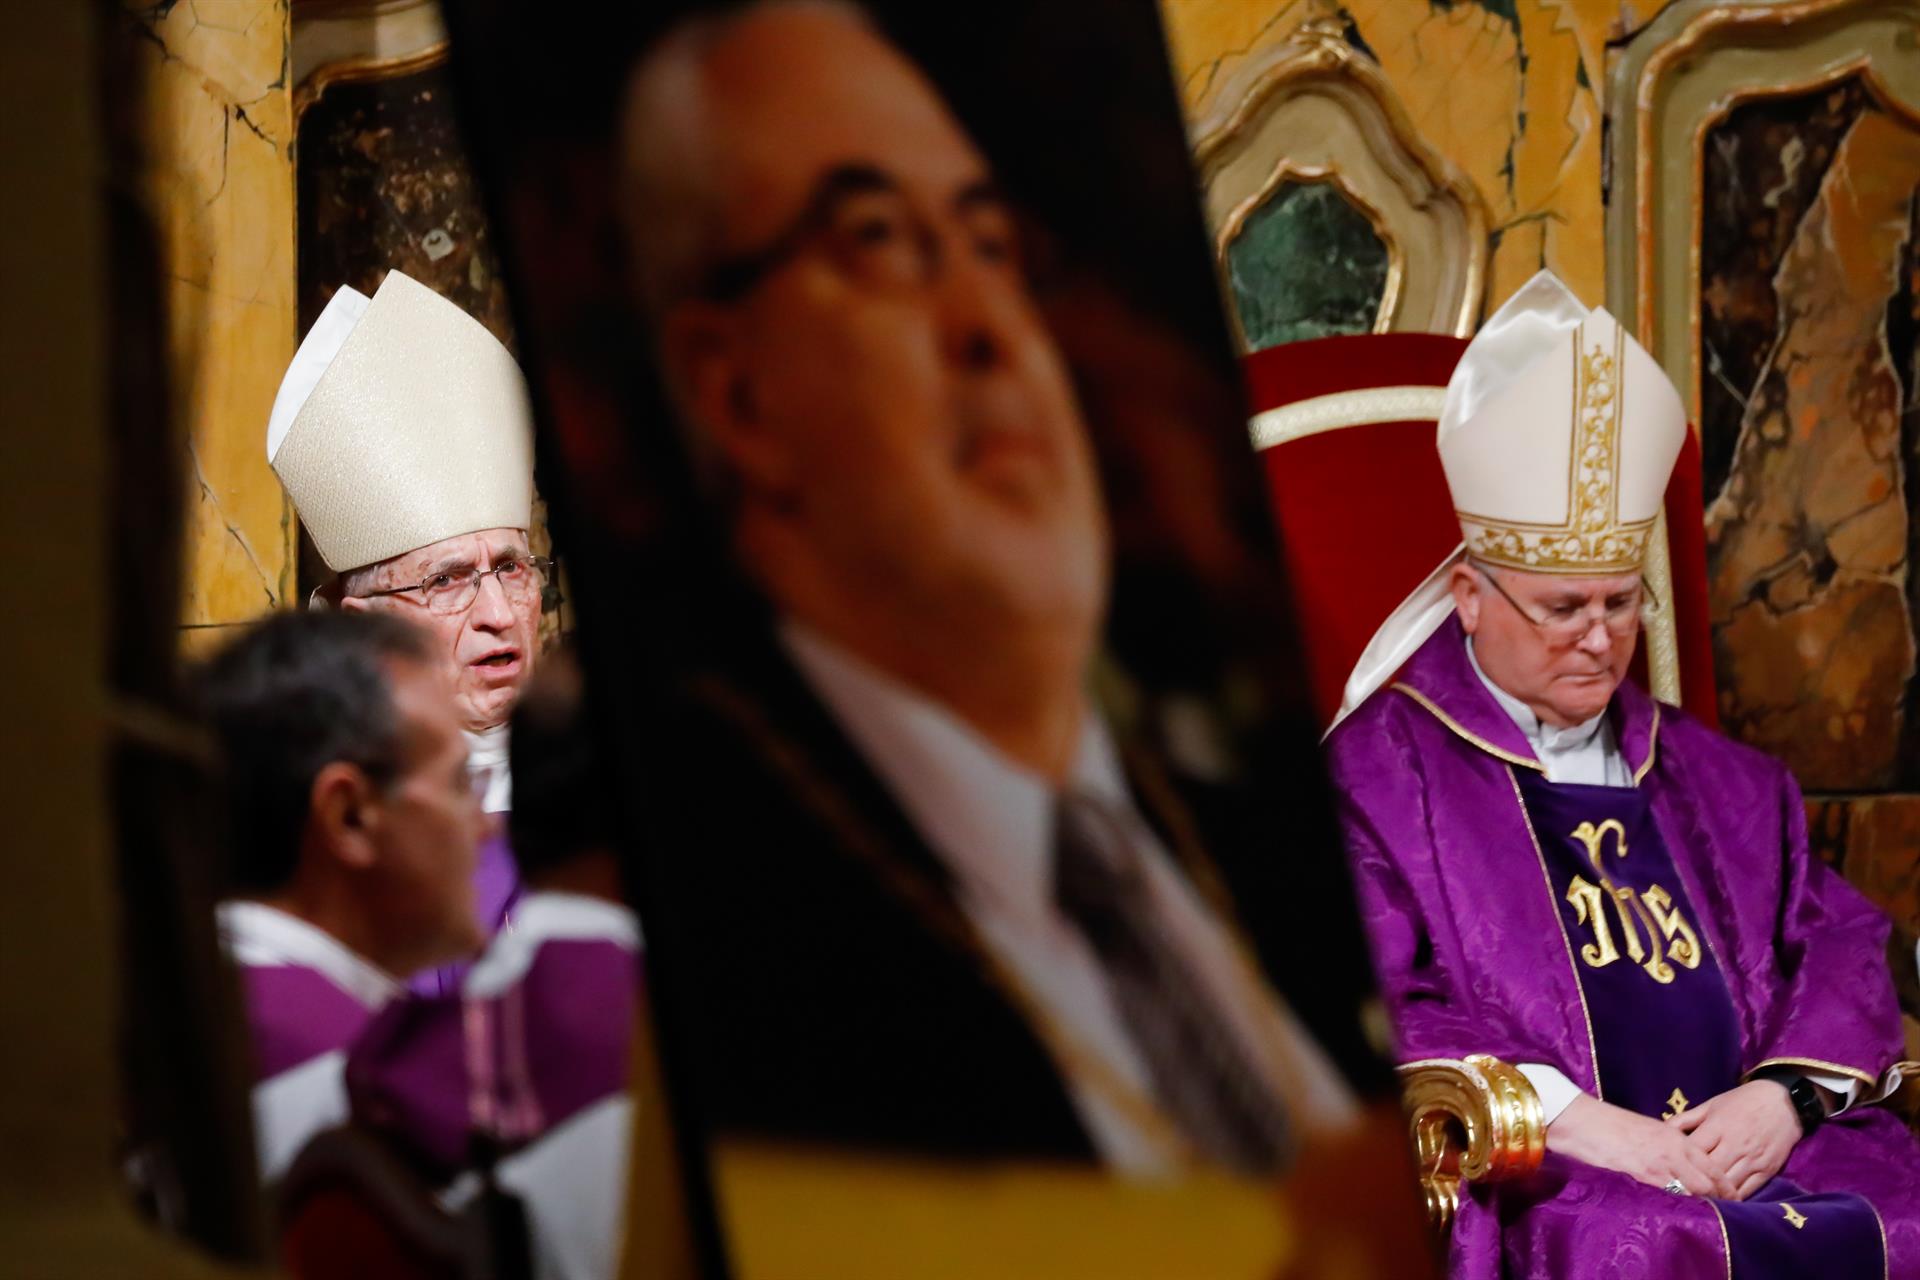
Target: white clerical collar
487 766
256 935
1585 753
988 818
1549 737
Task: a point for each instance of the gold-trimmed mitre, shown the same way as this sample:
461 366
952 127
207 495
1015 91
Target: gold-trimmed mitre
1558 437
401 421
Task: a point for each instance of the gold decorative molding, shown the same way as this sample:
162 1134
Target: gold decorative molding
352 70
1677 81
1475 1119
342 41
1315 110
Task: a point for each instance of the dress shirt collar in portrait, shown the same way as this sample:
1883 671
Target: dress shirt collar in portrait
1586 752
487 766
987 818
256 935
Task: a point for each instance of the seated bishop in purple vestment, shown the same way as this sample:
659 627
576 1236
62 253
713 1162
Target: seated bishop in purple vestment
1559 871
355 833
403 435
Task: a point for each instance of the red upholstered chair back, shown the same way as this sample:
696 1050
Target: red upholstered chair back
1362 510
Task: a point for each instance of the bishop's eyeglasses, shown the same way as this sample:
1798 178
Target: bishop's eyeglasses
1568 624
521 578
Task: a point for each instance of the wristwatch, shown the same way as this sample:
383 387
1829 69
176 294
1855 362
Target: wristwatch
1805 1096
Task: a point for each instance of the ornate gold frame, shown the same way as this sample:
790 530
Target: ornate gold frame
1314 109
355 70
342 41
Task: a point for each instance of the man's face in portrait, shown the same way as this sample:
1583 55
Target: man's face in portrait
864 357
488 636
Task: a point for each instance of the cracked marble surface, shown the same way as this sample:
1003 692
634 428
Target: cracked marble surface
1808 538
220 185
1508 90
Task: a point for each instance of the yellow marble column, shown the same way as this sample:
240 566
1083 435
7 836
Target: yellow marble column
220 188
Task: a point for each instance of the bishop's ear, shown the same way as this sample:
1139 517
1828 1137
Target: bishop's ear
1465 584
342 811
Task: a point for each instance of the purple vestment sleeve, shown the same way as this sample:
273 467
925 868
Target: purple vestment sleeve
1418 957
1837 1008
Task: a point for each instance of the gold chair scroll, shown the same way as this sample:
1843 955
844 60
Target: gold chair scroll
1476 1119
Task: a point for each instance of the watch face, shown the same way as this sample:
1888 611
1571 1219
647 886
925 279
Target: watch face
1806 1102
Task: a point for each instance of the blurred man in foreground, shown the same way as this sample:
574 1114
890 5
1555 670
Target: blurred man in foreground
1560 872
354 830
403 435
520 1082
930 912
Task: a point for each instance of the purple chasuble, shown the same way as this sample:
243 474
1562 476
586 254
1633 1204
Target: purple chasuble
496 887
542 1031
295 1014
1664 1033
1476 950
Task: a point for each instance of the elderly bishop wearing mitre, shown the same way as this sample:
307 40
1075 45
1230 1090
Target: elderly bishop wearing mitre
1558 871
403 434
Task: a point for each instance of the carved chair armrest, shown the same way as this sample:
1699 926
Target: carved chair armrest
1475 1118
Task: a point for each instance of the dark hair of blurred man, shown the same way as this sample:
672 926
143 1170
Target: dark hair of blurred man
353 836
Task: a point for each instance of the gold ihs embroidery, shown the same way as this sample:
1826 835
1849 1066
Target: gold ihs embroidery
1677 1101
1653 911
1794 1216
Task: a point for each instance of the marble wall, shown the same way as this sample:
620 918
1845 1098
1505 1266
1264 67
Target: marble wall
1508 90
219 183
384 183
1274 302
1810 424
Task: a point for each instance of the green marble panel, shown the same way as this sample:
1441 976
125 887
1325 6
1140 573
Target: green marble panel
1305 264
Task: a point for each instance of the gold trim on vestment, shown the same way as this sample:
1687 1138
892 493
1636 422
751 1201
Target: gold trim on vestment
1818 1065
1653 742
1661 625
1458 728
1364 407
1726 1245
1553 905
1886 1264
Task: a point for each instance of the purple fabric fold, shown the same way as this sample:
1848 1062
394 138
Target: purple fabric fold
431 1072
294 1015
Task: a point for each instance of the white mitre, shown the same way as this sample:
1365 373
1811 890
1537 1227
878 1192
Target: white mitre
401 421
1558 435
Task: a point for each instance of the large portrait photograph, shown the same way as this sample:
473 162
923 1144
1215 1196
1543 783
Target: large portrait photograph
929 609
